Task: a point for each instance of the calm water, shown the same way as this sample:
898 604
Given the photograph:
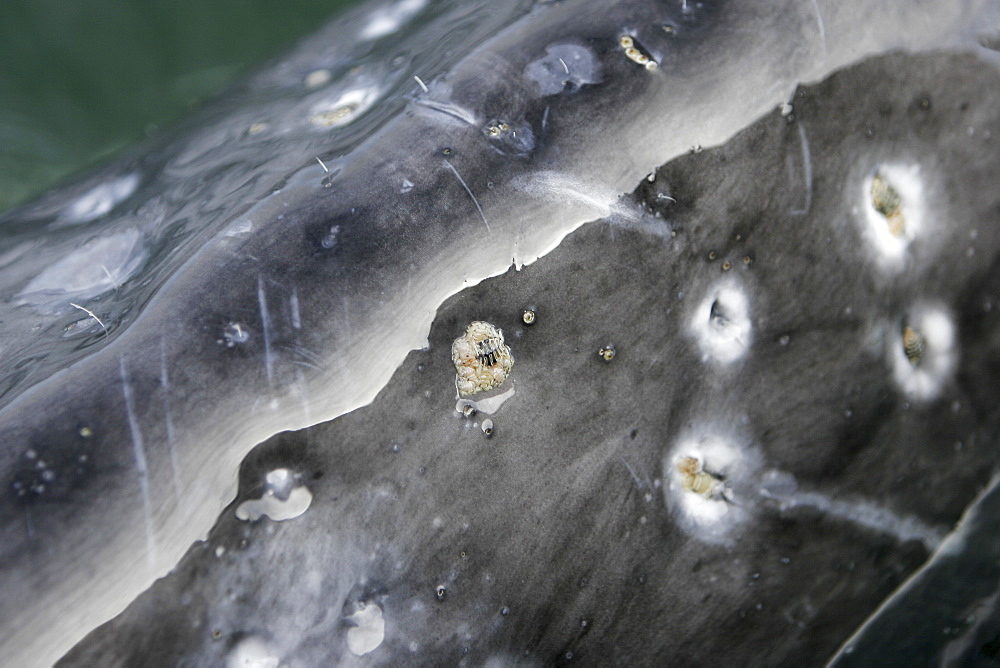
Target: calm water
83 78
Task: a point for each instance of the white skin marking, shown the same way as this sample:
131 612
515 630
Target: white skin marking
139 452
266 323
464 185
807 170
293 303
638 482
165 384
819 22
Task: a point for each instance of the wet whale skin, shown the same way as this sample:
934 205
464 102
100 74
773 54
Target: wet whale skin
296 305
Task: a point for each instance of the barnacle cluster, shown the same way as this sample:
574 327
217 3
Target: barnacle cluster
482 360
634 54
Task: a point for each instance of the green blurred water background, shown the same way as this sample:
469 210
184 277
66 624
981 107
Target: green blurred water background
82 79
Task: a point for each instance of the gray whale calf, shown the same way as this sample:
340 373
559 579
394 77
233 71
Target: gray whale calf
805 312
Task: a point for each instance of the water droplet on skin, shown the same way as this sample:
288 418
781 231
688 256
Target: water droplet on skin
529 316
488 428
318 78
505 611
607 353
86 432
100 265
441 592
367 630
99 200
282 499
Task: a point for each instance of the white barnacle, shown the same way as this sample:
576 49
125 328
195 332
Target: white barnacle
482 361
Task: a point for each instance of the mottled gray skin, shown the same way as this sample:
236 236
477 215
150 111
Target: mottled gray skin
556 539
141 430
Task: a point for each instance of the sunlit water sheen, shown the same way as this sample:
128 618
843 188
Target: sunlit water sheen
216 163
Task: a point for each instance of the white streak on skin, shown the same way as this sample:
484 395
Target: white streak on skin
464 185
265 319
139 452
565 67
91 314
545 117
638 483
111 279
602 201
322 164
165 384
301 350
293 303
303 390
449 110
807 171
862 513
347 316
819 22
422 84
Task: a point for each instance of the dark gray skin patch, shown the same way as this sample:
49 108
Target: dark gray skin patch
552 539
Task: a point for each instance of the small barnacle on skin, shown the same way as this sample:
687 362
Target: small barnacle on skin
482 361
913 345
695 479
887 202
